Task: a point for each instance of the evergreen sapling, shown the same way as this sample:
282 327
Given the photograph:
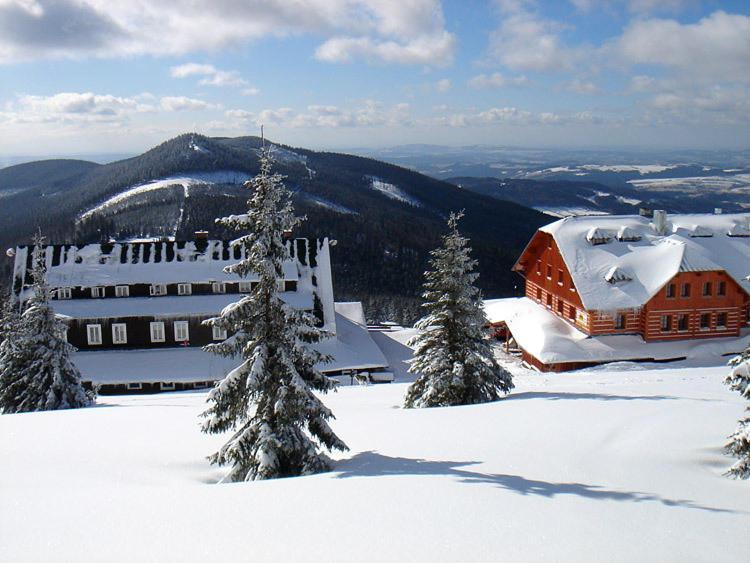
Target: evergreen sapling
453 358
268 400
40 375
739 442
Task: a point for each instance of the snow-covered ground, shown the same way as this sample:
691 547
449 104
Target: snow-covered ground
599 465
394 192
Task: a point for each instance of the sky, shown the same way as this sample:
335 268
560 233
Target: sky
83 76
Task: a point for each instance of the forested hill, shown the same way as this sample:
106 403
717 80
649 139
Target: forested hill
384 217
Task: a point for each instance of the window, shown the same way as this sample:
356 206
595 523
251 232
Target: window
97 292
119 333
683 323
549 272
721 320
158 289
135 386
122 291
290 285
549 300
670 291
705 321
722 289
571 285
685 290
560 307
157 332
218 287
64 293
167 386
620 321
572 313
538 267
219 333
666 323
246 287
559 277
184 289
707 289
538 293
94 334
181 333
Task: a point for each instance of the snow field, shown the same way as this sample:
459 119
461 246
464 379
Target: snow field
588 466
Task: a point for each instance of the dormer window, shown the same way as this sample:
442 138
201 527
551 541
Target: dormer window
158 289
598 236
617 275
122 291
184 289
97 292
219 287
246 286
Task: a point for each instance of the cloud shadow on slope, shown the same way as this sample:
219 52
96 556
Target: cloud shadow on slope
373 464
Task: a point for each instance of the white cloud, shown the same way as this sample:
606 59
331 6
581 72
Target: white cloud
716 47
182 103
369 113
252 91
443 85
580 86
211 75
72 107
497 80
525 40
383 30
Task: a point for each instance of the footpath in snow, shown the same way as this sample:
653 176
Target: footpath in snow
599 465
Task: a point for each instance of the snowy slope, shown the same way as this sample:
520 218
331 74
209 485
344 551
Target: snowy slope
592 466
392 191
190 179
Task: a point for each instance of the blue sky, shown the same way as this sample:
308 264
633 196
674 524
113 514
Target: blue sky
97 76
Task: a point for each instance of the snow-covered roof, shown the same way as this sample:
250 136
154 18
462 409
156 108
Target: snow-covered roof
165 306
552 340
149 262
351 348
351 310
698 242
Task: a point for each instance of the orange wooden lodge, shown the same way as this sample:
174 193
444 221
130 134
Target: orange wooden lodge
610 288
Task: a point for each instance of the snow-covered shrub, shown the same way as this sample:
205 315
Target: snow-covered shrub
268 399
453 357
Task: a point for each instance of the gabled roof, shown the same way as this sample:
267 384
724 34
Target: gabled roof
691 243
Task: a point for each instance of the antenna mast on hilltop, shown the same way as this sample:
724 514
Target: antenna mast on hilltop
262 137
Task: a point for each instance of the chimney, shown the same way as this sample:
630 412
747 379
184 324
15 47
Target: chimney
201 235
660 221
717 211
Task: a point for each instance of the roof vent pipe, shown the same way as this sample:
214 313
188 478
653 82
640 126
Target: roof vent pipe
660 221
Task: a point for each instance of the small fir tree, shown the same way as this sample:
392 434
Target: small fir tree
268 400
10 356
739 442
453 358
40 375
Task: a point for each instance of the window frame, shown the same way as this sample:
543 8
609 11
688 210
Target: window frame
665 326
155 289
97 292
177 336
218 333
245 286
124 328
671 291
707 289
685 290
683 317
184 288
721 289
719 325
97 329
64 293
163 331
707 326
621 325
122 291
220 286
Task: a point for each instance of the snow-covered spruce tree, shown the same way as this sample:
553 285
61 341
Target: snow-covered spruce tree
268 400
739 442
453 358
41 375
10 357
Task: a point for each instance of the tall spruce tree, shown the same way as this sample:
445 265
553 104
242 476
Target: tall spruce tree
453 358
10 372
268 400
739 442
39 374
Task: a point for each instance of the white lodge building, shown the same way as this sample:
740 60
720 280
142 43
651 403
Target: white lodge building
134 310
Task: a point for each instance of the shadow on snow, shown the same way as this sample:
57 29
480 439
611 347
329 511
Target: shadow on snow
372 464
